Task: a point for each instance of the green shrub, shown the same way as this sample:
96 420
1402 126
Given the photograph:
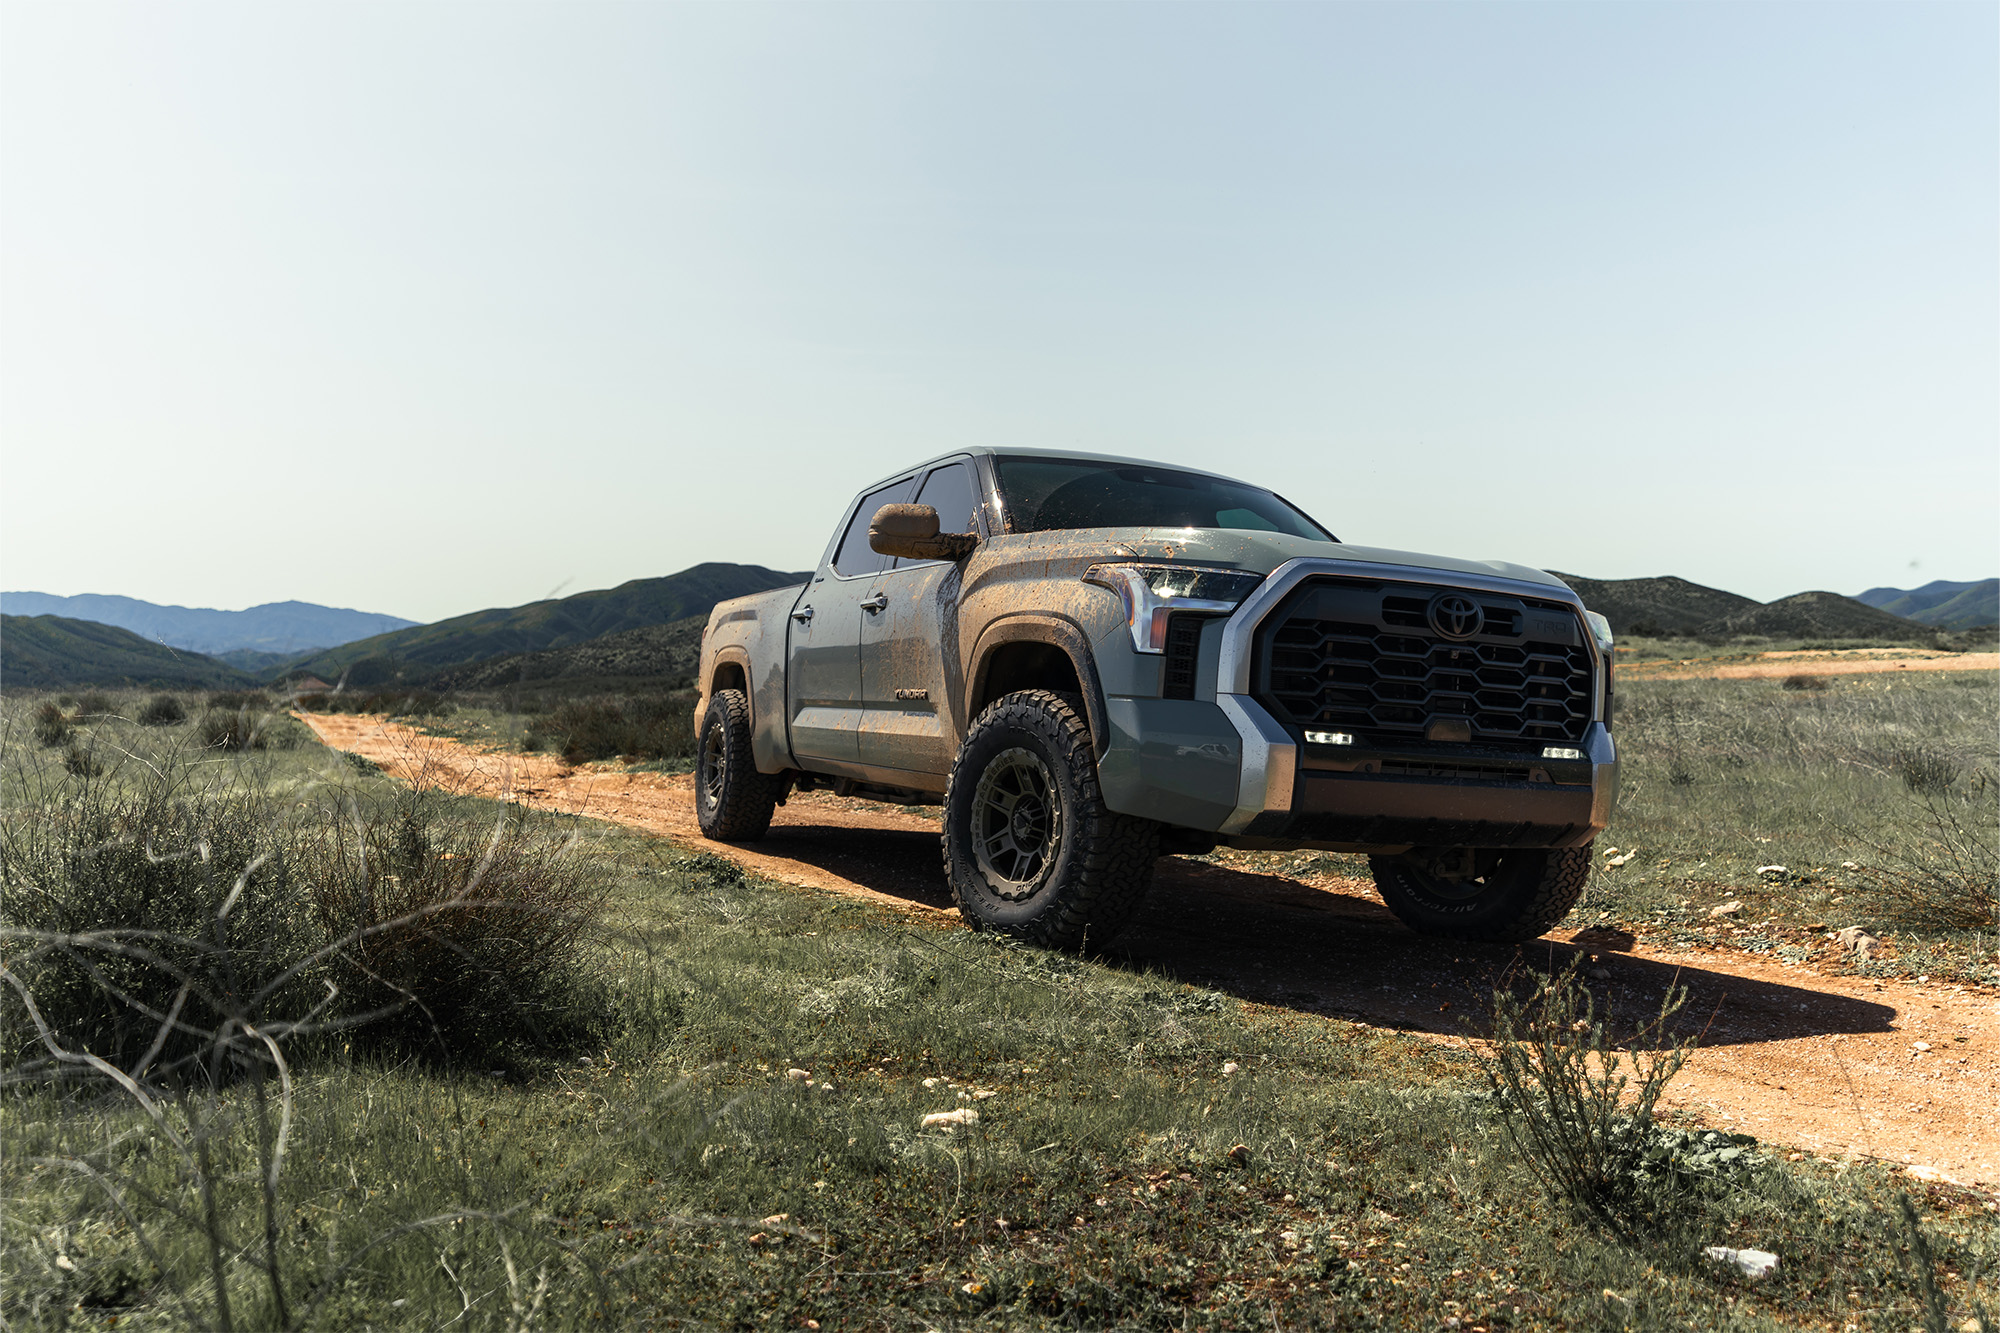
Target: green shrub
1581 1123
154 920
162 710
51 726
644 728
79 762
230 731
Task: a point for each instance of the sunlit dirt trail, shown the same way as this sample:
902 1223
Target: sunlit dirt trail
1822 1063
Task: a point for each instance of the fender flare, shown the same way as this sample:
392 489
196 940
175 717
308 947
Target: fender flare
1057 632
731 655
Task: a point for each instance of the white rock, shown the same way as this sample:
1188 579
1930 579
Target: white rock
964 1115
1730 908
799 1074
1923 1173
1772 870
1620 860
1920 1046
1858 942
1229 1067
1849 865
1752 1264
932 1082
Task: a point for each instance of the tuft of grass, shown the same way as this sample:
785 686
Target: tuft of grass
162 710
1802 681
52 726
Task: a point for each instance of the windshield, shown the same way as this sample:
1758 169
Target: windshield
1051 494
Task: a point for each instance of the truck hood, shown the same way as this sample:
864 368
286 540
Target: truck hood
1265 551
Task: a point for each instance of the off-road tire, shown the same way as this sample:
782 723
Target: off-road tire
1095 865
1522 894
733 802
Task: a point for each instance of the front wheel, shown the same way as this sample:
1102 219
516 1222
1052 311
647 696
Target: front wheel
733 802
1504 896
1029 847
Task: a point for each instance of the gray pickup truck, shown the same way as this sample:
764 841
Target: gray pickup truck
1097 661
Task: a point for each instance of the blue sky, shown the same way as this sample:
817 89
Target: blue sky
422 308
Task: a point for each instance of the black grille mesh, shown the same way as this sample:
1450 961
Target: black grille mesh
1361 659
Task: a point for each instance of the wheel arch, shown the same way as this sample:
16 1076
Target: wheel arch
1030 652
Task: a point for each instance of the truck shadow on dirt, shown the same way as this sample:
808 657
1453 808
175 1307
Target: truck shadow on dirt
1338 952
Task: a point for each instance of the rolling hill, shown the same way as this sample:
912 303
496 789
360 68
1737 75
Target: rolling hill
653 655
55 652
1674 606
416 655
1946 605
277 628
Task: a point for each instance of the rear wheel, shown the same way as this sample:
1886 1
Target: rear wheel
1482 894
1029 847
733 802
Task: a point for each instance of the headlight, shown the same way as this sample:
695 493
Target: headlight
1151 593
1600 629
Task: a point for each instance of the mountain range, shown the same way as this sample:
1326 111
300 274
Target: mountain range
647 632
267 634
1673 606
1946 605
414 656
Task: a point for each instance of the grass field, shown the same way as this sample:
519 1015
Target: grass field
728 1134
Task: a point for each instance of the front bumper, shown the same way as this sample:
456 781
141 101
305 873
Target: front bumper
1433 796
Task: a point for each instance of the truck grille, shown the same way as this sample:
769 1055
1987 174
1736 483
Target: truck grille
1367 659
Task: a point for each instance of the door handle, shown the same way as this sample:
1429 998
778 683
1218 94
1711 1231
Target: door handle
875 603
804 615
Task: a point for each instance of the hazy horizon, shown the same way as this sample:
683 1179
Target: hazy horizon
423 308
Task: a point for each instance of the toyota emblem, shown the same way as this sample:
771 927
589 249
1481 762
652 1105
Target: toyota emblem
1455 616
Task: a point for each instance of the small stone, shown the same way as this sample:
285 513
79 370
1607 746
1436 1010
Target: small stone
1238 1154
1920 1046
1923 1173
1730 908
1229 1067
1772 870
1619 860
1599 974
1753 1264
932 1082
800 1075
964 1115
63 1262
1858 942
777 1219
1849 865
757 1238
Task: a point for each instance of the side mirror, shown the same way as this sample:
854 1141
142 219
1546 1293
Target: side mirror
911 531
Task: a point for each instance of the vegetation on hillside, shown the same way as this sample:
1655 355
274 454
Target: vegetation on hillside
52 653
411 656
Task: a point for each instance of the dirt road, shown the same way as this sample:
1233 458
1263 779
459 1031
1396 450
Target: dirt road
1845 662
1826 1064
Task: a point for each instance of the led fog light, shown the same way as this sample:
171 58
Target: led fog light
1329 738
1561 752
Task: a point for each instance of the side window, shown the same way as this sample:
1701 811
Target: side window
954 492
854 557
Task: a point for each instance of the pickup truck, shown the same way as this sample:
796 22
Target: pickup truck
1092 662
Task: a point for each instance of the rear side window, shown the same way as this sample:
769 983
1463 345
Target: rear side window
1054 494
854 557
954 492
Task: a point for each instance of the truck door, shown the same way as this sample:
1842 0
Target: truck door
823 675
909 641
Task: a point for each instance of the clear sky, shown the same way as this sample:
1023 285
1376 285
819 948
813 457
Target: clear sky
422 308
